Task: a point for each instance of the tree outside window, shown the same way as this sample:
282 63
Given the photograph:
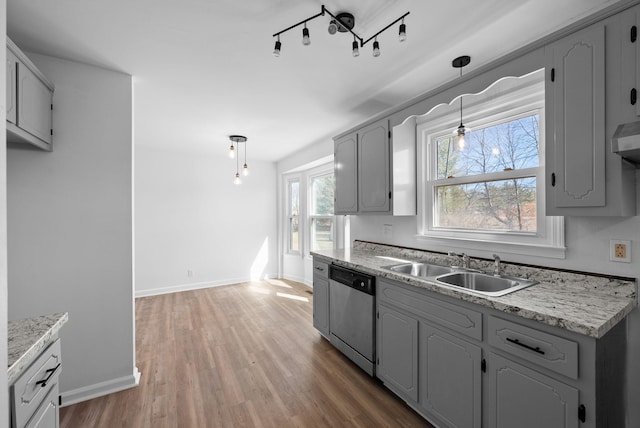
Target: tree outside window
321 218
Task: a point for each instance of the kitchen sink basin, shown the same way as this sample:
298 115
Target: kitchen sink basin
420 269
482 283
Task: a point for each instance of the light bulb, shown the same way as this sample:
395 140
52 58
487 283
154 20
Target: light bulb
462 142
305 36
355 50
245 170
237 180
232 151
376 49
276 50
402 35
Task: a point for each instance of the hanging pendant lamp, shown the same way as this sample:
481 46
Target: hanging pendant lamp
460 62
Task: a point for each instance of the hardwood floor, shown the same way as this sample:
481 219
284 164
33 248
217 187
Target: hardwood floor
244 355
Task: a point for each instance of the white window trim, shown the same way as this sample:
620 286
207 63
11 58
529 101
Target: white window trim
304 178
288 180
315 173
548 241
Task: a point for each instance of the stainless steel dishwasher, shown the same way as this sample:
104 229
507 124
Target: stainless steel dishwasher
352 315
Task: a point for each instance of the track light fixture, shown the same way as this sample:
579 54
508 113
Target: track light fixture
343 22
376 48
354 49
235 146
460 62
276 50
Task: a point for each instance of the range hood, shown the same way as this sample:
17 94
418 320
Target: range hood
626 142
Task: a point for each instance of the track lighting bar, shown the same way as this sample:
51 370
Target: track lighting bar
385 29
339 20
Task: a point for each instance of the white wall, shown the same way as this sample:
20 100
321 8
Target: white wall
191 217
4 397
70 227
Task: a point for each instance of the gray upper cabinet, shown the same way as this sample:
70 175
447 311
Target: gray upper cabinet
450 378
373 168
30 96
362 168
590 76
346 174
575 111
12 86
524 398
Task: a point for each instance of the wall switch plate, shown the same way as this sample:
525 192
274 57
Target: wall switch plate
387 230
620 251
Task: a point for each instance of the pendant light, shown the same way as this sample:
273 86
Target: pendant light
235 146
460 62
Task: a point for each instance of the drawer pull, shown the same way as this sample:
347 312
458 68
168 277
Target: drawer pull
531 348
319 268
43 382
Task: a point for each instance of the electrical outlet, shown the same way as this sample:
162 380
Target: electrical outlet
189 273
387 230
620 251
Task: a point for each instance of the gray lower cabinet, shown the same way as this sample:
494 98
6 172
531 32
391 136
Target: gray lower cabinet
397 352
524 398
450 378
34 394
462 365
321 297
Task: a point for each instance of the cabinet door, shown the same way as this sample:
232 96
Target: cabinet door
523 398
321 304
12 64
34 105
397 349
575 111
47 414
345 171
450 378
373 168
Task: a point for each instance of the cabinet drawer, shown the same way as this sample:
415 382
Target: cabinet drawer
321 269
549 351
31 388
454 317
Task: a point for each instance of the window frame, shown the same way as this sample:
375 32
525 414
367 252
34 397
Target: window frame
481 112
290 216
318 173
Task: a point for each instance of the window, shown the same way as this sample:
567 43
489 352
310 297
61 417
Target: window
293 214
489 193
491 183
321 218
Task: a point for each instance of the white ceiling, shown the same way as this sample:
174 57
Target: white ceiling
203 69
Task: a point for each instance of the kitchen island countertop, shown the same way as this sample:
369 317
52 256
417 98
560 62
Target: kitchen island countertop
28 337
586 304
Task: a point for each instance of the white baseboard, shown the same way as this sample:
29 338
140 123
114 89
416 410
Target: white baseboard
99 389
193 286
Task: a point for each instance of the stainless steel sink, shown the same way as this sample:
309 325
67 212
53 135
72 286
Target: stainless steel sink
484 284
419 269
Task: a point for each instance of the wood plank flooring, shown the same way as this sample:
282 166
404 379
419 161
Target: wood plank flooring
244 355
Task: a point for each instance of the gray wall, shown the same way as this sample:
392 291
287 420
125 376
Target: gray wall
70 227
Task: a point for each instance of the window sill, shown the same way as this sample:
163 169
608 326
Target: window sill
537 250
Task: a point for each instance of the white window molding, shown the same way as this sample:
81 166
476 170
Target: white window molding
508 100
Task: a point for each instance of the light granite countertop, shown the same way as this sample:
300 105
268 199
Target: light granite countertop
582 303
28 337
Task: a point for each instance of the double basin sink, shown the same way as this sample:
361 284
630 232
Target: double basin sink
473 281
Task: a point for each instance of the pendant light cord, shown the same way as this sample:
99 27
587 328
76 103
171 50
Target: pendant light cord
460 100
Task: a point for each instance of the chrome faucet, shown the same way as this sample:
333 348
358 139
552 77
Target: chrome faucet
496 265
466 260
